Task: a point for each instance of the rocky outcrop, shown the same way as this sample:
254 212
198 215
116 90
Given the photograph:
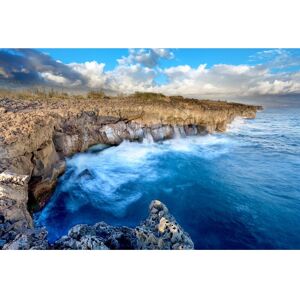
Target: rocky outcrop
13 200
97 237
159 231
37 135
29 239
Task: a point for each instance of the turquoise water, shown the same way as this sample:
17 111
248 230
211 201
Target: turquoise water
237 190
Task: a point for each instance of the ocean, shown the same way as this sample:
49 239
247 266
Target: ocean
234 190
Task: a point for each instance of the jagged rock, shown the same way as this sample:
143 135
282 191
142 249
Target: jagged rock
161 231
87 174
31 239
13 200
97 237
2 243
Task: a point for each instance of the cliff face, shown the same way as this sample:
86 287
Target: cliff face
36 136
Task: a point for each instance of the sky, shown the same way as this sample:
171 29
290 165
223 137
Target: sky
199 73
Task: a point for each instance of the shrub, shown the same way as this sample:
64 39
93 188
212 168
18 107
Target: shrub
148 95
96 95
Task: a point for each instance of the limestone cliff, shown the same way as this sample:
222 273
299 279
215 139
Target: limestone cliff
37 135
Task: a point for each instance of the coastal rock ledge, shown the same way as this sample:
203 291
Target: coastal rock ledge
159 231
37 135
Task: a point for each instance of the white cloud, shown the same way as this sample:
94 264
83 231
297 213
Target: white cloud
140 69
92 71
55 78
219 81
131 78
149 58
223 81
277 87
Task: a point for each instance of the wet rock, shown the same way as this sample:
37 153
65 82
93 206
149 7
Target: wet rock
31 239
161 231
87 174
41 187
97 237
2 243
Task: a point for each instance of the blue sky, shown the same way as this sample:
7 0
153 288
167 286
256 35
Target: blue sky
201 73
192 57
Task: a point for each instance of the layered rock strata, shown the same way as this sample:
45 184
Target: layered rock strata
36 136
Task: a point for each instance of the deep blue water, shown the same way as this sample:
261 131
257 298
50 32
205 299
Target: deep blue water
236 190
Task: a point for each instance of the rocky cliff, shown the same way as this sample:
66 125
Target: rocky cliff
159 231
37 135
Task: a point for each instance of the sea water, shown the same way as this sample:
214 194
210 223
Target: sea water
233 190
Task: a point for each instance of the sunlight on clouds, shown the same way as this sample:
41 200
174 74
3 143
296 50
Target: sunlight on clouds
55 78
140 69
149 58
92 71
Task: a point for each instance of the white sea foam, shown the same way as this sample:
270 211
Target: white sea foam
106 179
236 124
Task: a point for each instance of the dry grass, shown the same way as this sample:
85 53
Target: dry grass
46 94
95 95
148 96
34 94
138 98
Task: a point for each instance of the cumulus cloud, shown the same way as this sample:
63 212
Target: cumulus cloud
29 67
131 78
149 58
92 71
229 80
140 69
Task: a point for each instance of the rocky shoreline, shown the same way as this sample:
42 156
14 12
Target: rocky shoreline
36 136
159 231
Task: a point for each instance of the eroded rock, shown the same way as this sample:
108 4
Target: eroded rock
97 237
31 239
161 231
13 200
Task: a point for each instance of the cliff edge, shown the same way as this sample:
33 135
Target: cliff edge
37 135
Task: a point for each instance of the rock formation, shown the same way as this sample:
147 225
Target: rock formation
37 135
159 232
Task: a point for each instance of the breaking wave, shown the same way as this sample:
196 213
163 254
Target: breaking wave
231 190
